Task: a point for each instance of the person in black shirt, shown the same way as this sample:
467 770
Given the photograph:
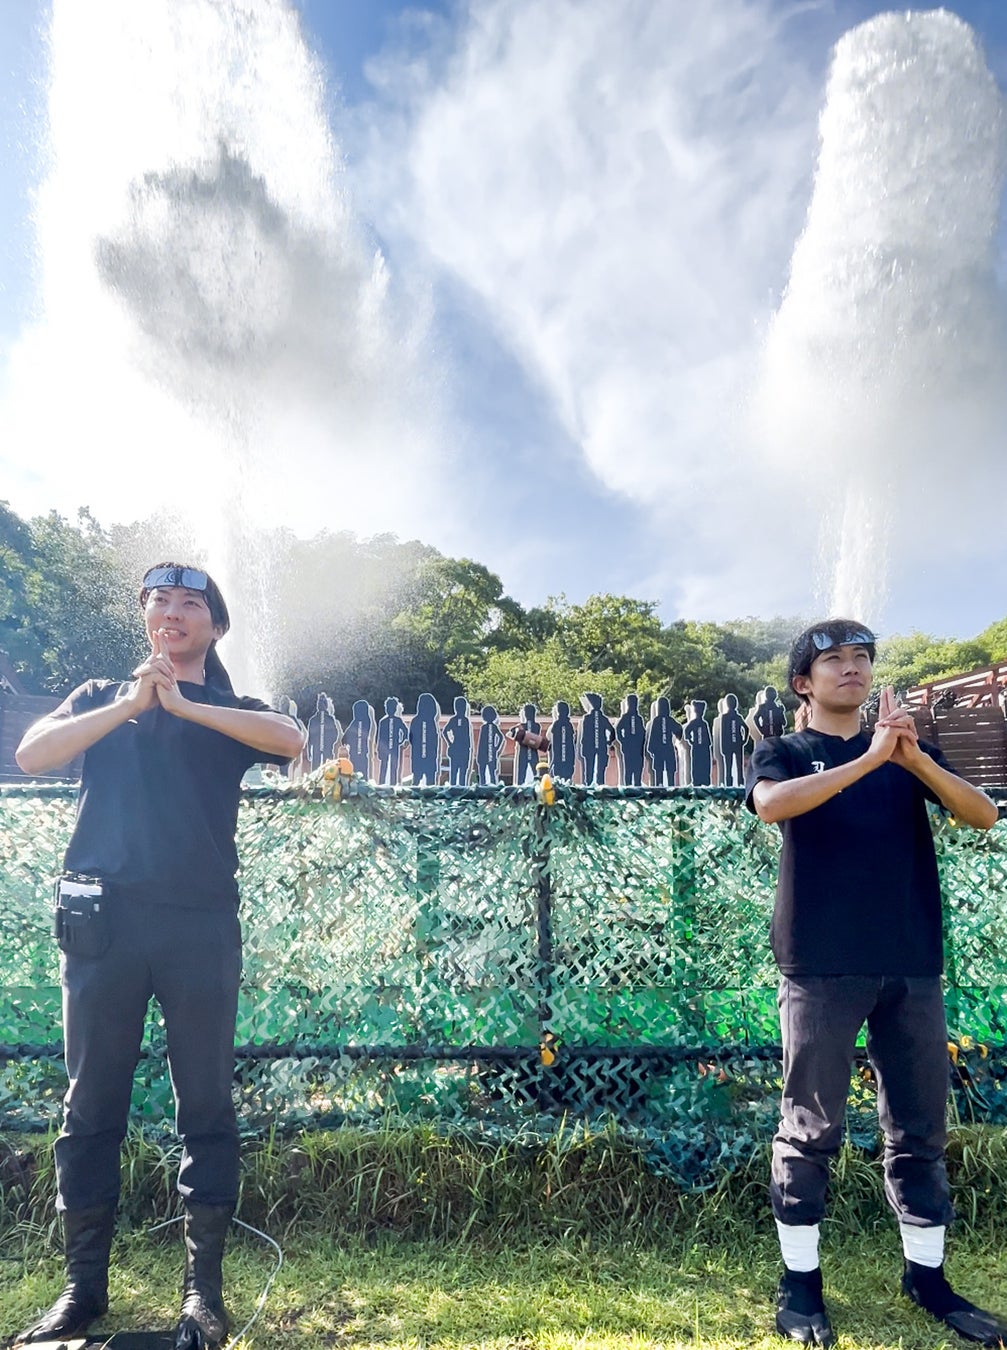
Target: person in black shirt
856 934
149 907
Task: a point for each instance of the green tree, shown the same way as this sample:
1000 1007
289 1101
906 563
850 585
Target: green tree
460 617
994 640
16 561
67 609
917 658
541 675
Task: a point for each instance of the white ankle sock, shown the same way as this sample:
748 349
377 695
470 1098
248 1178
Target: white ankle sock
798 1245
925 1246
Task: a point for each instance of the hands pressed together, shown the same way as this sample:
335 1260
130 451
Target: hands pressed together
156 681
895 737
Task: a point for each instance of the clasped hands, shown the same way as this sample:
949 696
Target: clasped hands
895 737
156 680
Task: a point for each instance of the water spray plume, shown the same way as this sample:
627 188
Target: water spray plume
883 371
223 337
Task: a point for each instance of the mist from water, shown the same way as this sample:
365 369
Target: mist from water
883 389
219 339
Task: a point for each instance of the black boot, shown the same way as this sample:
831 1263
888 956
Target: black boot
928 1288
87 1241
202 1323
800 1310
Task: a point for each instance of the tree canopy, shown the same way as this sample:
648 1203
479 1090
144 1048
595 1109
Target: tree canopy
373 618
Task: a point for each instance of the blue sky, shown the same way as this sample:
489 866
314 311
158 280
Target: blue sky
574 331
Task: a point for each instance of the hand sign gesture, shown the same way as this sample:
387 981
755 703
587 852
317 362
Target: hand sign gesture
897 722
157 676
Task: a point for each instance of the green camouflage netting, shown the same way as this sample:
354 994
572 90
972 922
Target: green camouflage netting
476 957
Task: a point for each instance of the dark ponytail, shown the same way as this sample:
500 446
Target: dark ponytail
215 672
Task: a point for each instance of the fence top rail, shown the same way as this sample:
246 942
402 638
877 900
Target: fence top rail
497 792
306 789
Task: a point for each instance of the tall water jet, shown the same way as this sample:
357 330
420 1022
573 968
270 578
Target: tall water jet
885 368
218 336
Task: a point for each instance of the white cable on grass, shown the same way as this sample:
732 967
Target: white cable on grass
261 1301
269 1283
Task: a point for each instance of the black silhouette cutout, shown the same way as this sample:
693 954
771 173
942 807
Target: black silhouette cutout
325 733
696 735
296 767
360 737
662 733
488 748
730 735
425 741
596 737
768 717
392 736
458 739
563 743
631 735
526 758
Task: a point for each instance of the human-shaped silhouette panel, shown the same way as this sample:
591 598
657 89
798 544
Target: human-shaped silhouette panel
425 741
490 741
768 717
730 735
457 735
325 733
696 735
562 743
359 738
296 767
526 758
596 737
392 736
631 735
663 731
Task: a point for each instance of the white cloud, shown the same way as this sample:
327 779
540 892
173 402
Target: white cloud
619 185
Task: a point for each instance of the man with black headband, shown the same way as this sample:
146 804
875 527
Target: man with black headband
857 936
148 906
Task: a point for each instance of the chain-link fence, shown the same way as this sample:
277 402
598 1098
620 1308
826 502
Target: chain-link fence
475 956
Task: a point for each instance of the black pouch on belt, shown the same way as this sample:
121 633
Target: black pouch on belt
80 916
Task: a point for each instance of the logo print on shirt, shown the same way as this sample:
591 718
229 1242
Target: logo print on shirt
818 765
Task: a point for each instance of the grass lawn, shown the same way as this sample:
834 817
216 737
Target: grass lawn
407 1238
554 1293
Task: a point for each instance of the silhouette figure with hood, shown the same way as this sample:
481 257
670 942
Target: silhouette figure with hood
631 735
769 716
596 736
696 734
663 731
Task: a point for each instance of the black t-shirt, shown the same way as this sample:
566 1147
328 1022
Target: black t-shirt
158 802
858 891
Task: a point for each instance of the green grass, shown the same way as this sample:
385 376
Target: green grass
418 1183
406 1238
559 1294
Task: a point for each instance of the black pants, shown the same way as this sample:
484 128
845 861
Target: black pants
820 1018
190 961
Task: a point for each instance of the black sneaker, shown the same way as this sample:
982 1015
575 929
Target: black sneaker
928 1288
800 1312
